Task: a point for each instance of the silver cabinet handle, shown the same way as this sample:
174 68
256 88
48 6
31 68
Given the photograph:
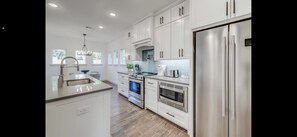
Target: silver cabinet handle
169 114
178 52
233 6
226 8
182 10
225 84
162 54
162 19
122 90
122 83
234 84
179 11
182 52
150 83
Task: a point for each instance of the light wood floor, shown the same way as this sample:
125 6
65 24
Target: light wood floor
128 120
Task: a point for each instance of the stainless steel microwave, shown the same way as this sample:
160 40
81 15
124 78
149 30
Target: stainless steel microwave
173 95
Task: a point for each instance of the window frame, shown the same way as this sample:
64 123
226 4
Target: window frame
51 55
110 62
101 58
85 59
122 57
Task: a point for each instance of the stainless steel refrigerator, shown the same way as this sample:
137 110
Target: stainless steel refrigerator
223 81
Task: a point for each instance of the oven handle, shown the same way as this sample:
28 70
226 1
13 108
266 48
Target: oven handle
172 89
134 80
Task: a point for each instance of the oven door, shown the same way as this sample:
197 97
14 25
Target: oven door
176 97
136 88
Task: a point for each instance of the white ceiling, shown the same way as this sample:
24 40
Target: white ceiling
71 17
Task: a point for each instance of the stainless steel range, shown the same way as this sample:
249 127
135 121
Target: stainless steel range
136 87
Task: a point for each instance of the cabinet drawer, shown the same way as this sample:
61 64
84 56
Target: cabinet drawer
176 116
151 83
123 90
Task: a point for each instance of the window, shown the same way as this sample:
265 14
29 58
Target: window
109 58
115 57
97 58
58 55
81 58
122 58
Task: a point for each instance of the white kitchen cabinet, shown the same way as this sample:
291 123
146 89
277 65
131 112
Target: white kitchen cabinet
180 10
180 38
130 50
174 115
163 18
123 84
162 42
82 116
206 12
151 94
143 30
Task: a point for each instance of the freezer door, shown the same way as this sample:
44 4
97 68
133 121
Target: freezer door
240 79
211 116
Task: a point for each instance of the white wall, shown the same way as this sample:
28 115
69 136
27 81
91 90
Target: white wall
71 45
112 70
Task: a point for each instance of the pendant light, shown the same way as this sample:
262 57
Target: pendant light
84 50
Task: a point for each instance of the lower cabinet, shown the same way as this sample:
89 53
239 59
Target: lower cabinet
82 116
174 115
151 95
123 84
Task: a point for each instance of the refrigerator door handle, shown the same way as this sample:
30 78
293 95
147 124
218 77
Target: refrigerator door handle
234 81
225 76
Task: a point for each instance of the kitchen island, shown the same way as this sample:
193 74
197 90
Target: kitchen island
77 110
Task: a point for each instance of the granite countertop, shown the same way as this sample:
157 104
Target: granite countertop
53 93
170 79
123 72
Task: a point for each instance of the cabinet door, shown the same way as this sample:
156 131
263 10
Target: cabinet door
151 99
204 12
180 10
165 42
163 18
134 39
240 7
180 38
177 38
187 49
166 17
157 43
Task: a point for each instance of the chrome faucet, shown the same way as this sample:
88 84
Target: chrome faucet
61 76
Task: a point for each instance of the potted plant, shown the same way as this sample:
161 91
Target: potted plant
130 68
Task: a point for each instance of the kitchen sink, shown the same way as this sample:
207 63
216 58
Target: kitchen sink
74 82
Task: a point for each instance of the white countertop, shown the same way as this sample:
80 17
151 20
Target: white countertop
169 79
54 93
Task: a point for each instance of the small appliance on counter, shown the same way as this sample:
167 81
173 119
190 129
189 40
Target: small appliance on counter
161 70
137 68
174 73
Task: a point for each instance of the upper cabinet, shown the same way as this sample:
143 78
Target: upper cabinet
173 40
206 12
143 30
163 18
162 42
180 38
180 10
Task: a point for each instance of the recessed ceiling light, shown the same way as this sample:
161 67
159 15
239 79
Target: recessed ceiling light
53 5
100 27
112 14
